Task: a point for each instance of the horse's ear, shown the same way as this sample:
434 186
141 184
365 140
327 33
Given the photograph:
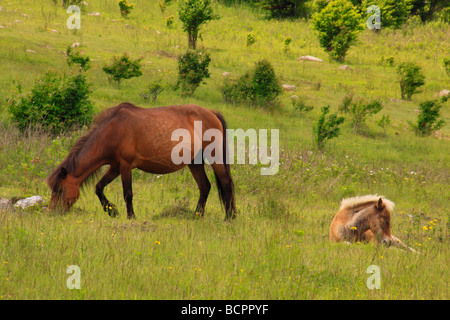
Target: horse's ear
63 173
379 204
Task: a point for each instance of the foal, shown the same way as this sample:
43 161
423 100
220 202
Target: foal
366 218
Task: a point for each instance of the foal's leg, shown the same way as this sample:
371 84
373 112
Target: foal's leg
109 176
125 174
198 171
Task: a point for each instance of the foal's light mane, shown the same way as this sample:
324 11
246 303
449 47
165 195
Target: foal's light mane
359 201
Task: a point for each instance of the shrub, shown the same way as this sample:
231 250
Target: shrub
285 8
384 123
394 13
152 91
326 129
192 69
259 86
125 8
74 58
447 66
410 78
251 39
337 26
359 110
300 106
56 103
123 68
193 14
427 120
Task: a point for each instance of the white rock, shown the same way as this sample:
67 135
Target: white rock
444 93
95 14
75 45
28 202
226 74
288 87
31 51
18 21
344 67
309 58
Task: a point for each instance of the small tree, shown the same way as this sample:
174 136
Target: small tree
193 14
410 78
123 68
326 129
428 121
384 123
285 8
337 26
359 110
394 13
192 70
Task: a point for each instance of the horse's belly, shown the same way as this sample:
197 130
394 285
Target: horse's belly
158 167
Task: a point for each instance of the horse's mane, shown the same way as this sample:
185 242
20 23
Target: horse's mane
366 200
70 162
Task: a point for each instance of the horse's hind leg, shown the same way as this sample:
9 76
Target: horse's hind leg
226 189
125 174
198 171
109 176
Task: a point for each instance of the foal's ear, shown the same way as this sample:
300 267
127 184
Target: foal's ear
63 173
379 204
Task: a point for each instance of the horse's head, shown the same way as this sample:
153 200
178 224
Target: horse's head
380 222
65 190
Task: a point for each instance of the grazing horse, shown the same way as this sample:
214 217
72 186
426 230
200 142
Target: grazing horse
365 218
127 137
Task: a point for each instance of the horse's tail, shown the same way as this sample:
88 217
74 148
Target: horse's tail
222 191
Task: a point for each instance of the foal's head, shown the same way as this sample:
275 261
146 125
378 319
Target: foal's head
65 191
379 220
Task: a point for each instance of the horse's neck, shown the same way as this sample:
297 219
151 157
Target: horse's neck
89 161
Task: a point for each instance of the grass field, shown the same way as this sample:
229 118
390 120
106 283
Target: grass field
278 247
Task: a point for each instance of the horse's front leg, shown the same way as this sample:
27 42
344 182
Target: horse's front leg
109 176
125 174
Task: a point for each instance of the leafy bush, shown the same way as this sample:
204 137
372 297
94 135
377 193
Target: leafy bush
259 86
300 106
410 78
384 123
193 14
427 121
56 103
152 91
337 26
447 66
123 68
359 110
125 8
192 69
394 13
251 39
74 58
326 129
285 8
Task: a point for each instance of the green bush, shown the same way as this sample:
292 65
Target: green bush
410 78
447 66
285 8
122 68
427 120
152 91
384 123
56 103
359 110
326 129
125 8
259 86
74 58
337 26
394 13
192 70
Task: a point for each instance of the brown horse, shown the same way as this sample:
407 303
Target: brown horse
366 218
127 137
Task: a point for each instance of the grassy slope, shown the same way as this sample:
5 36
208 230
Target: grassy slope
278 247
